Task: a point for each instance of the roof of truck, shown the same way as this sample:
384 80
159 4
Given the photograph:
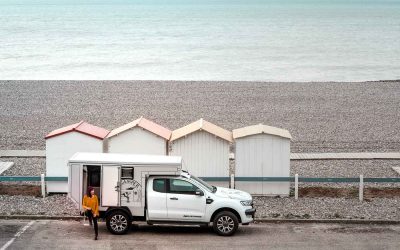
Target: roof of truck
124 159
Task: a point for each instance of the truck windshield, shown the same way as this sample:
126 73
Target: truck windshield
205 184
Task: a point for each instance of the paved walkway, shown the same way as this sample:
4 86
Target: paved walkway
293 156
22 153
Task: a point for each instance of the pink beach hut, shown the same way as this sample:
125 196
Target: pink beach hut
140 136
63 143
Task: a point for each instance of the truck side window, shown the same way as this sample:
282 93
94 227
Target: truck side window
181 187
159 185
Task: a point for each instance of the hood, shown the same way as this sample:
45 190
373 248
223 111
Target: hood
233 194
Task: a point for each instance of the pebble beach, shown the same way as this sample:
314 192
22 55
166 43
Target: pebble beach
321 117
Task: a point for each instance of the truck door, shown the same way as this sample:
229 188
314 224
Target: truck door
110 186
157 199
182 202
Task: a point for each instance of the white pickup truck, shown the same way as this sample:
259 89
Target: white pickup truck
156 190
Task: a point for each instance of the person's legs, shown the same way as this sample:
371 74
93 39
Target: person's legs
90 216
96 229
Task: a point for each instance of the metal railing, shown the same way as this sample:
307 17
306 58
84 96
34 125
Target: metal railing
296 179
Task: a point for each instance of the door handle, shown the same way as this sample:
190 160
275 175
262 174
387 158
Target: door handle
173 198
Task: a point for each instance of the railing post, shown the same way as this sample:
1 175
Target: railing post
232 181
361 191
296 186
43 185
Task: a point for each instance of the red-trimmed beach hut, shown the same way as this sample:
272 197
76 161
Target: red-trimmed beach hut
140 136
64 142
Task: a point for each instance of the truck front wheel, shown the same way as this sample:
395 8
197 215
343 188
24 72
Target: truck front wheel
118 222
225 223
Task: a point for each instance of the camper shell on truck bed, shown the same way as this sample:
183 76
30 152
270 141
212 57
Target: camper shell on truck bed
119 180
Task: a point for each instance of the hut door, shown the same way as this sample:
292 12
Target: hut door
110 186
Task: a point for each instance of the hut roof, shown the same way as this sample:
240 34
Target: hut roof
145 124
260 129
202 125
81 127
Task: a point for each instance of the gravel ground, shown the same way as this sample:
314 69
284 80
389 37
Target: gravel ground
29 205
328 208
322 117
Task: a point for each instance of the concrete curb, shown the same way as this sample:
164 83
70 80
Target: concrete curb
257 220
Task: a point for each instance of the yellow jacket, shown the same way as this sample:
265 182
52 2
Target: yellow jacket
91 202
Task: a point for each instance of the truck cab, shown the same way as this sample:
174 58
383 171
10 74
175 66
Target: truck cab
156 190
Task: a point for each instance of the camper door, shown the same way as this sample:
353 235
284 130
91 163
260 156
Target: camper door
110 186
75 183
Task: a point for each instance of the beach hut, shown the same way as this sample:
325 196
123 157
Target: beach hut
63 143
262 151
140 136
204 148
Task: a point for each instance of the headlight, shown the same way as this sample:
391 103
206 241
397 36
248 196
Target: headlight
247 203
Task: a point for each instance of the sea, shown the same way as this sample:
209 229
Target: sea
200 40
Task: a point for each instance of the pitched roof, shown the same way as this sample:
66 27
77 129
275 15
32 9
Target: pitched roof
260 129
81 127
202 125
145 124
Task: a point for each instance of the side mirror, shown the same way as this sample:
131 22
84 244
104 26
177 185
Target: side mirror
199 192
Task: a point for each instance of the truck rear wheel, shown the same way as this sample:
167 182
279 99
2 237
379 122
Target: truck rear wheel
225 223
118 222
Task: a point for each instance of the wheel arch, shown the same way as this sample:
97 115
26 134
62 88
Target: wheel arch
124 209
226 209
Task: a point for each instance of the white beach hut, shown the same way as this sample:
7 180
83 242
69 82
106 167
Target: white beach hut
63 143
140 136
204 148
262 151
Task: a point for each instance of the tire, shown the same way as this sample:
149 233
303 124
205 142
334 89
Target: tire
118 222
225 223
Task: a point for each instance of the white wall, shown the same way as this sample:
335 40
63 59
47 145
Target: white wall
203 154
263 155
137 141
59 150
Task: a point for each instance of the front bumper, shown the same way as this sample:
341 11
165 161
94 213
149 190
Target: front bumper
248 215
250 212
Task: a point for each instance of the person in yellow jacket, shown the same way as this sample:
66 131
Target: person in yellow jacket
91 207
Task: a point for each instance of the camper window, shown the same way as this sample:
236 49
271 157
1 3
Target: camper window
159 185
127 173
